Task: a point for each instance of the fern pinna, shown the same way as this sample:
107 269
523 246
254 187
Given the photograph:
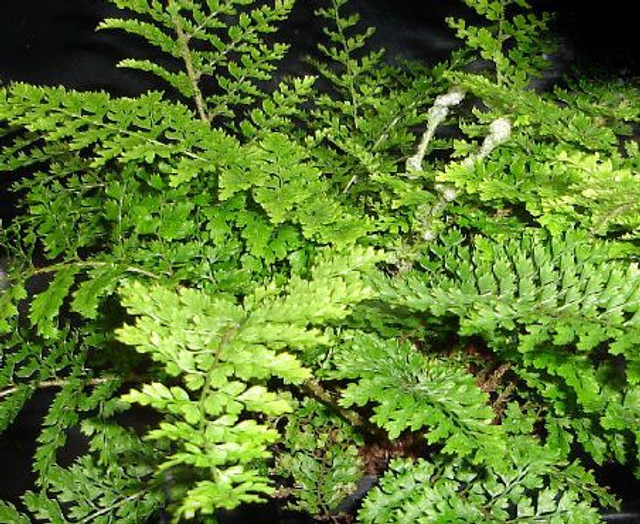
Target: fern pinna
421 278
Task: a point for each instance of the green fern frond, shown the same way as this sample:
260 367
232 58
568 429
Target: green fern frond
436 493
289 187
120 488
218 45
224 353
11 403
230 240
514 39
282 111
547 305
343 53
9 513
321 457
529 482
563 291
103 129
410 392
564 166
538 115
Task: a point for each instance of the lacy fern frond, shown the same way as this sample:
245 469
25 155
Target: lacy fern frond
532 487
343 53
530 482
86 492
321 457
289 187
88 131
513 39
283 111
224 353
220 47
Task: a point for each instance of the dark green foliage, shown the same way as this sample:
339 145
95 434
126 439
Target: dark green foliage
304 283
557 309
320 456
531 486
529 483
413 393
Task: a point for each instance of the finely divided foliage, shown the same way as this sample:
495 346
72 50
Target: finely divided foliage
298 284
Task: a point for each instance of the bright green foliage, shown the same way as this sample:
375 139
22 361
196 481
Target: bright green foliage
8 513
282 111
288 187
293 277
321 457
411 392
563 313
561 165
225 353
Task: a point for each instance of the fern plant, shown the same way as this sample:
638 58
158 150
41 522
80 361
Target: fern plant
559 311
312 289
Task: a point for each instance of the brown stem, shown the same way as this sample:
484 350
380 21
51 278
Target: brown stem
57 383
317 391
194 76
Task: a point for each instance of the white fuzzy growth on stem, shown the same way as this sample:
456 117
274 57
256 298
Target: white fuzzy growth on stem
3 275
499 132
437 114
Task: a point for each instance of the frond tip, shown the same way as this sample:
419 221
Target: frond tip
217 51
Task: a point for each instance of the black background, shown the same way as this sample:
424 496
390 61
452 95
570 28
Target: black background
54 42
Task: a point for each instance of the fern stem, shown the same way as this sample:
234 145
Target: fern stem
108 509
57 383
88 264
317 391
194 76
350 74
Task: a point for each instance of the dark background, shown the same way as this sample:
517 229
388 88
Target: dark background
53 42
